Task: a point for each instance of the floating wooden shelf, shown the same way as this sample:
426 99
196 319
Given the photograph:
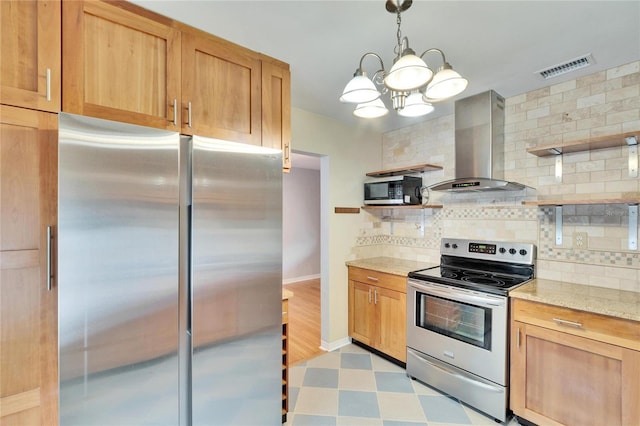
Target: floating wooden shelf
583 201
582 145
407 207
348 210
420 168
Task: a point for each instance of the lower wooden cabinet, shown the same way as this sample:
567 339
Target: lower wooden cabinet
377 311
28 299
573 368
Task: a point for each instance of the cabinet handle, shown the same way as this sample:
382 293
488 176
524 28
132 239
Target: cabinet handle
48 84
372 278
189 114
565 322
375 297
286 152
369 295
175 112
49 240
518 337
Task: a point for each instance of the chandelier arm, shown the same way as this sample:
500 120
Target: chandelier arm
378 78
371 54
433 49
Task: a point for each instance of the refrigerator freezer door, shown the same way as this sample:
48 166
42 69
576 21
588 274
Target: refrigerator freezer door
118 273
237 283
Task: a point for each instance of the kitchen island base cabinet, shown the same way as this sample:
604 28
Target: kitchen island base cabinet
563 375
377 311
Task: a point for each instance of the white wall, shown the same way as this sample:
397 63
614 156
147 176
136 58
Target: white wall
349 153
301 225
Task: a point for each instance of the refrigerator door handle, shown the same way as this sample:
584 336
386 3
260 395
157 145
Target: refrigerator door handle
189 280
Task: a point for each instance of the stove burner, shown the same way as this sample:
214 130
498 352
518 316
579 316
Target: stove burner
476 279
448 273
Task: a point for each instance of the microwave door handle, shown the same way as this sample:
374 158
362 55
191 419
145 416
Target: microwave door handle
460 296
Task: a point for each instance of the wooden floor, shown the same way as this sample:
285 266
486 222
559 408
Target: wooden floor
304 321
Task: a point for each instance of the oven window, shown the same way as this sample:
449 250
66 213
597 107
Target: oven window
458 320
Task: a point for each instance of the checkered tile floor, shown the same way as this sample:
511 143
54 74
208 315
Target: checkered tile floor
352 386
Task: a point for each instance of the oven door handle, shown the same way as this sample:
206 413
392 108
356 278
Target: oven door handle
459 296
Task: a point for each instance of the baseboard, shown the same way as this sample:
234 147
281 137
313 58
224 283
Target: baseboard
298 279
336 344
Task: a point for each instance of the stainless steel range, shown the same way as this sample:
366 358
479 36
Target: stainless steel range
457 320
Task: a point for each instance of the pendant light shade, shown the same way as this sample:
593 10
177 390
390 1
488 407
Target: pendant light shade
445 84
415 106
410 84
373 109
408 73
359 90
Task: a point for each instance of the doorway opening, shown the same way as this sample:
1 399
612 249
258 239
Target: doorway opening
304 241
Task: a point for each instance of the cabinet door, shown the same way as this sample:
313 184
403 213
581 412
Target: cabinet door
122 66
30 46
276 109
28 309
391 309
361 313
557 378
220 89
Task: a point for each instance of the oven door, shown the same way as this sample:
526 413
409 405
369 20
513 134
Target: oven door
465 328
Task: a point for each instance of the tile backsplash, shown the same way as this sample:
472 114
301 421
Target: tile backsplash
600 104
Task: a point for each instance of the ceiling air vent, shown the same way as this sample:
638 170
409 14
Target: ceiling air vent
565 67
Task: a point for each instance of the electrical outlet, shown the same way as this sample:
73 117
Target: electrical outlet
580 240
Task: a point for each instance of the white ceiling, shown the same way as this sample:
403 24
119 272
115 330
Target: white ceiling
497 45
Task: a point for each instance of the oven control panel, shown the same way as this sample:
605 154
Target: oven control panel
490 250
482 248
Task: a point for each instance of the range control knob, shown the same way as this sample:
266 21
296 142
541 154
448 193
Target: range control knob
502 250
512 251
455 246
523 252
447 245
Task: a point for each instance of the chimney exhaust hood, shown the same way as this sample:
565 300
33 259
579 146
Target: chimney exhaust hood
479 146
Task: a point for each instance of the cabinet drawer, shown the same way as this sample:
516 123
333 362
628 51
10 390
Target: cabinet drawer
607 329
379 279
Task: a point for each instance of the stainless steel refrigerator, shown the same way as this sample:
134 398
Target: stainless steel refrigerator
170 282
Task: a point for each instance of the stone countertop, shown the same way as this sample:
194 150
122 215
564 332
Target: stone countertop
390 265
599 300
286 294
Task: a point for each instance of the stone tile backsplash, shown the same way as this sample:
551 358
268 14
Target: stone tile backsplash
600 104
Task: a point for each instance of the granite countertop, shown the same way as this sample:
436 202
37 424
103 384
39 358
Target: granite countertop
599 300
390 265
286 294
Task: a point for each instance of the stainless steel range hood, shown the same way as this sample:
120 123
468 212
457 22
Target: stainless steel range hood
479 146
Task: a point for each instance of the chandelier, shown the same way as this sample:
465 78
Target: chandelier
411 84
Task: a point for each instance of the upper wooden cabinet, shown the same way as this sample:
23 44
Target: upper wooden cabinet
28 298
30 46
220 89
124 63
121 63
276 108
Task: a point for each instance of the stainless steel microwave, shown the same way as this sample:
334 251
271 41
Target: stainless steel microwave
394 190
